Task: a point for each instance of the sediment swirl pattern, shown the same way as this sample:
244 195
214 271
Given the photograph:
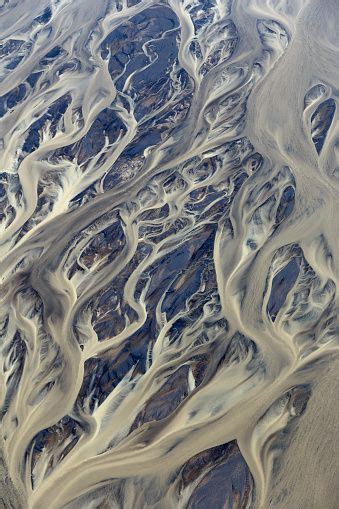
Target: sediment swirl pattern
169 253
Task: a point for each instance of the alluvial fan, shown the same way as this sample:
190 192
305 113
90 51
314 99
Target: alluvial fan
169 189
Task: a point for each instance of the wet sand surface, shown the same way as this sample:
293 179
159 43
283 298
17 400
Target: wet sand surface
169 249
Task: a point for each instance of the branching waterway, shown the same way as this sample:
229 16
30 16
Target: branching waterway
169 184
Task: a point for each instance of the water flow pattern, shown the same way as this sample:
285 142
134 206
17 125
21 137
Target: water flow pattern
169 254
